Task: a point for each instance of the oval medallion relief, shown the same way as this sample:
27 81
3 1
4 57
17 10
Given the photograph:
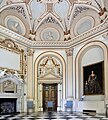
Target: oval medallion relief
15 24
50 34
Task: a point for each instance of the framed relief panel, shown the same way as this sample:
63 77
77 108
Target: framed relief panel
10 56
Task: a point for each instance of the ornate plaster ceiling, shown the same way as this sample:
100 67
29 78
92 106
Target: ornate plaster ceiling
51 20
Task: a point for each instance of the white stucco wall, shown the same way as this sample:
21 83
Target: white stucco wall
9 59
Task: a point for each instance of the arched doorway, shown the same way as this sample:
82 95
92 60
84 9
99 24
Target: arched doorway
49 76
50 82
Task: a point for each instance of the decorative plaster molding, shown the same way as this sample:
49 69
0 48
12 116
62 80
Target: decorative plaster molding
49 1
20 9
49 67
100 29
7 69
25 64
30 52
69 52
11 77
78 10
9 45
50 19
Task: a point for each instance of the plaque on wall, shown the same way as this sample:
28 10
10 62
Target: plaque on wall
93 79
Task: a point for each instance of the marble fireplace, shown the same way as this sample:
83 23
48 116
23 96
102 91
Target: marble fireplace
11 94
10 103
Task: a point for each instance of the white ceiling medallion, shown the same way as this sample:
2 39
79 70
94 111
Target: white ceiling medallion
50 34
49 1
15 24
84 24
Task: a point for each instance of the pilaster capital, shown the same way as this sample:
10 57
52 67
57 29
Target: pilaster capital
30 52
69 51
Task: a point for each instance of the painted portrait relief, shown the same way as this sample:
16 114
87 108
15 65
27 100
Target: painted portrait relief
93 79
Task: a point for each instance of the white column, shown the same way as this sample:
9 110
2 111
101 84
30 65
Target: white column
30 80
30 83
69 82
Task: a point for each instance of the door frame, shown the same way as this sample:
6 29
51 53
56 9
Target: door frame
59 96
51 84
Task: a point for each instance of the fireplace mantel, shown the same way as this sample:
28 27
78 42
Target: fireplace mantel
9 95
16 96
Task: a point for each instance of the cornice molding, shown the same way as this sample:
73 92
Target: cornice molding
100 29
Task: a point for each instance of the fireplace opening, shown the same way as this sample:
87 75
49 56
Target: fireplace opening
7 105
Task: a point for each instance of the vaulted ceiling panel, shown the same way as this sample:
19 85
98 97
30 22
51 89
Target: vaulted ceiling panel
51 20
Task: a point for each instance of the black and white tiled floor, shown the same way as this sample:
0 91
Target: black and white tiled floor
53 116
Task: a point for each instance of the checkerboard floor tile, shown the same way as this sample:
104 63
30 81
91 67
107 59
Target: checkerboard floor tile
53 116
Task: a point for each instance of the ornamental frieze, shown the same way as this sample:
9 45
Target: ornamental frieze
98 30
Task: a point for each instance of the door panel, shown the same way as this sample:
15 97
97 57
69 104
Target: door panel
49 94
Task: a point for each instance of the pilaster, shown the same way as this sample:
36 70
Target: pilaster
30 81
69 83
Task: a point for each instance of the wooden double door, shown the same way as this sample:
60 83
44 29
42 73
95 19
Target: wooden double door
49 94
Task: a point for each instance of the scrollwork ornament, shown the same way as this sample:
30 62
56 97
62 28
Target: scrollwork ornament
9 44
30 52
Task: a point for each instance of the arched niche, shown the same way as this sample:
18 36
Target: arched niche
91 53
38 81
